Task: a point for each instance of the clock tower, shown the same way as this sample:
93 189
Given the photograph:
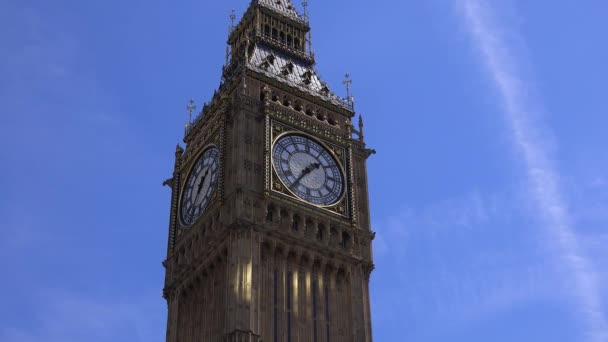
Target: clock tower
269 233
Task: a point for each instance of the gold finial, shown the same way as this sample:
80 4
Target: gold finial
191 107
348 82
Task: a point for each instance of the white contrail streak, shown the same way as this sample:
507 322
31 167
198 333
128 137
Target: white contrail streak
505 70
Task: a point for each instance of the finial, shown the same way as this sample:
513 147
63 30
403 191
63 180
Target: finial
361 137
309 35
191 107
347 82
232 19
305 6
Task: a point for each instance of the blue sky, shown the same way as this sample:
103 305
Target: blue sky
489 190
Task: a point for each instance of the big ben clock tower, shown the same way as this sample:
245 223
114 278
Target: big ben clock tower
269 235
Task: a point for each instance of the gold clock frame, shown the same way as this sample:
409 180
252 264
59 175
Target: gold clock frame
338 207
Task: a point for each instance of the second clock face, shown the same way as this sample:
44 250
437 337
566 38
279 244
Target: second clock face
200 186
308 170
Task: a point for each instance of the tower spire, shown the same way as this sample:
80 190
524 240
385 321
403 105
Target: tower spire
309 35
348 82
361 136
232 19
191 107
305 6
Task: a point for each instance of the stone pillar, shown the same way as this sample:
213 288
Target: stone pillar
305 301
172 328
366 301
281 275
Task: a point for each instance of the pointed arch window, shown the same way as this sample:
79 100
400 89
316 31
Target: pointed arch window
270 214
295 225
321 233
345 243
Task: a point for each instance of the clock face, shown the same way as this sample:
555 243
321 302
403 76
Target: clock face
200 186
308 170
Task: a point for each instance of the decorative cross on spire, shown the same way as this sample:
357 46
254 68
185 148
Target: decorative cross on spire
232 19
191 107
309 35
305 6
347 82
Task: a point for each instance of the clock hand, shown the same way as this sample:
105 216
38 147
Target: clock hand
200 186
307 170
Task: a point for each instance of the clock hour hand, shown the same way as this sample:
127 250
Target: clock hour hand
307 170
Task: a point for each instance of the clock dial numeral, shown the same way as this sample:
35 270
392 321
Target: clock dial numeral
200 186
308 170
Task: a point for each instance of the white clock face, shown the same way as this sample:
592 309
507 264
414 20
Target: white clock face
308 170
200 186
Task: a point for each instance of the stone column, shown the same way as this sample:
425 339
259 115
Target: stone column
307 267
366 301
173 315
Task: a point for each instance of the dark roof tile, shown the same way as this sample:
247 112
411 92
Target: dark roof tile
275 65
282 6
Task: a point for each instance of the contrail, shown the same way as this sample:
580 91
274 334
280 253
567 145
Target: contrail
505 69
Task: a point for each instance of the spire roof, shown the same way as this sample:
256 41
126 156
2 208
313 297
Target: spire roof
276 65
269 50
284 7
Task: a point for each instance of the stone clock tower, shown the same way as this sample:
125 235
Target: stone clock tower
269 235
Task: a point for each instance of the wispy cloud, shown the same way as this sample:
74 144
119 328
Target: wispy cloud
496 45
450 258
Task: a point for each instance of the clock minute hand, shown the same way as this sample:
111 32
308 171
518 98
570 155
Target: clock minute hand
200 187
